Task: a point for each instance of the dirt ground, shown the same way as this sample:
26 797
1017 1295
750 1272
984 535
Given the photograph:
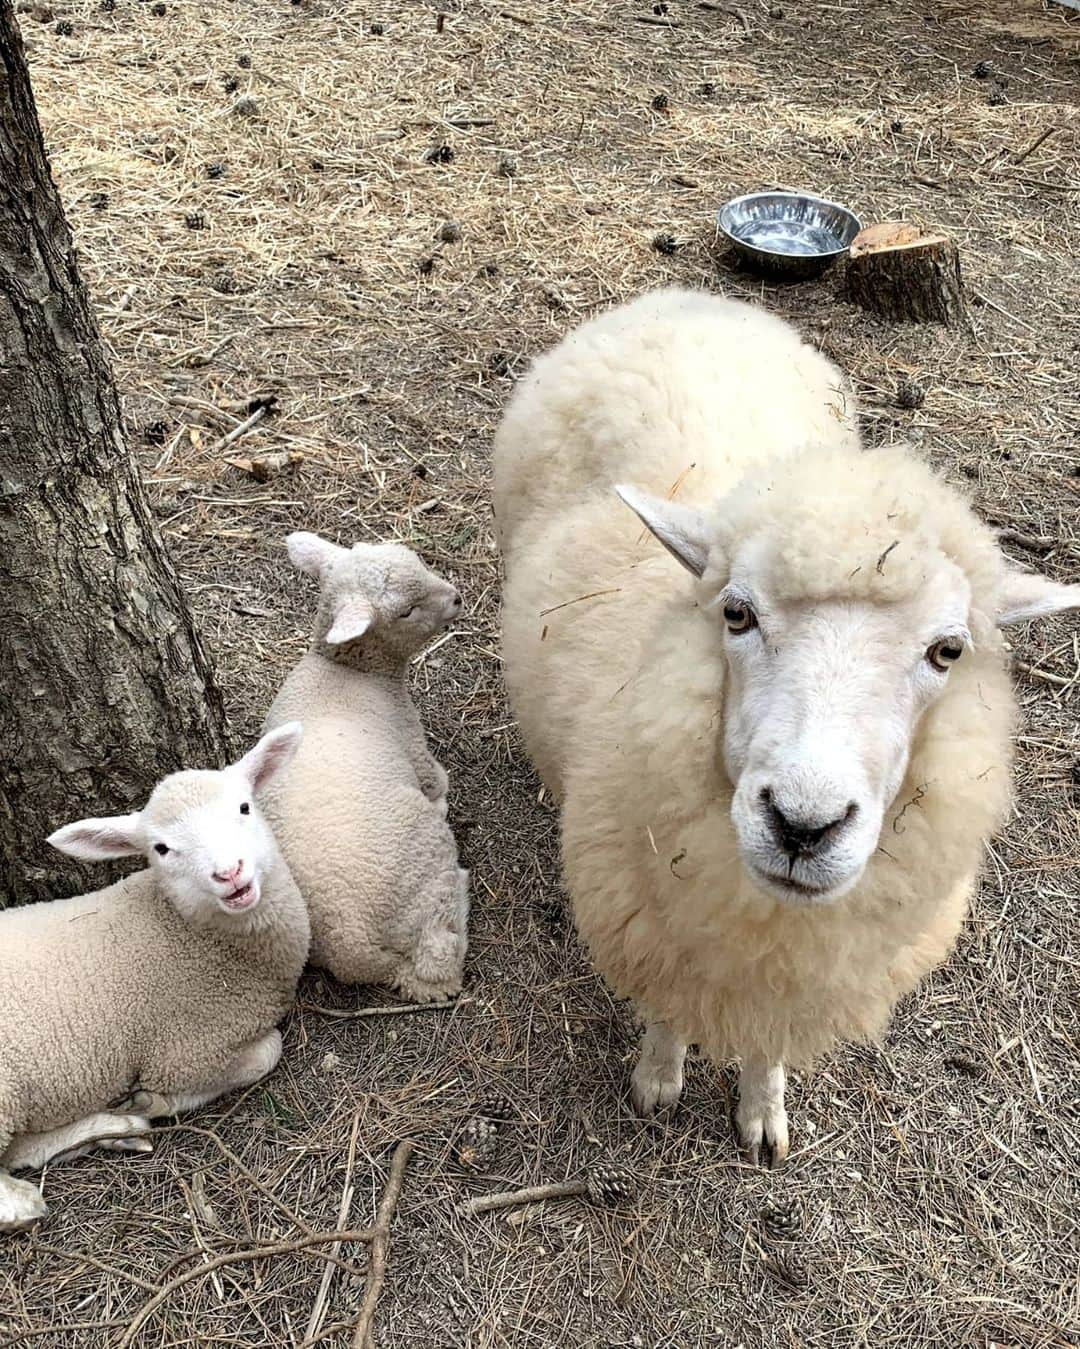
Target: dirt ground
377 216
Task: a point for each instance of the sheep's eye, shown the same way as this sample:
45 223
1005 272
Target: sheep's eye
408 612
161 848
945 653
738 616
245 808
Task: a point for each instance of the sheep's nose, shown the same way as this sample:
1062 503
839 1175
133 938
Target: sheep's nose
456 601
230 876
799 836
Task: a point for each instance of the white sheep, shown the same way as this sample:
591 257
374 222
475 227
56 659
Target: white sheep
777 767
168 984
361 813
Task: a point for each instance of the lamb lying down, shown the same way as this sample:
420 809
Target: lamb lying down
171 981
361 814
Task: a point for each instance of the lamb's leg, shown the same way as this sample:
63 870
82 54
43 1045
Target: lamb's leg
252 1063
760 1115
657 1081
438 958
27 1152
21 1204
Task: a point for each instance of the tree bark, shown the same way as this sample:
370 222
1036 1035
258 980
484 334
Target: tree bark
104 687
905 274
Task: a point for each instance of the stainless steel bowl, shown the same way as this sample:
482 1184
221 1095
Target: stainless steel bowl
790 234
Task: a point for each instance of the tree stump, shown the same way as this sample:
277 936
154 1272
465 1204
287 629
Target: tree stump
906 274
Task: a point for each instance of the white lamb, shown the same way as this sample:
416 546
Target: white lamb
361 814
777 767
168 984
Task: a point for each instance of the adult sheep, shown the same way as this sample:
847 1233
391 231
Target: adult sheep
777 768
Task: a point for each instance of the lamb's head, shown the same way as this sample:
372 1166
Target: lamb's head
201 833
848 592
378 603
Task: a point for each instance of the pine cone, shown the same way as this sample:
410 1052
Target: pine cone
910 394
496 1105
665 244
195 220
781 1219
612 1184
477 1143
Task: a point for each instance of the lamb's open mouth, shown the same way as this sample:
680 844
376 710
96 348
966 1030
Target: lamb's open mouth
240 899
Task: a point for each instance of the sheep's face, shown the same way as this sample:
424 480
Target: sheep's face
378 603
841 619
201 834
821 705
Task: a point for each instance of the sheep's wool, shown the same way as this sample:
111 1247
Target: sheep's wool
616 672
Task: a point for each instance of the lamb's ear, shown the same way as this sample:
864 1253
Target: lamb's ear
681 529
352 618
273 753
310 554
98 840
1025 595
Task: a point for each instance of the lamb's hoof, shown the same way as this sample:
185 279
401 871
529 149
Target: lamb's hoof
129 1133
420 990
765 1130
21 1205
655 1089
147 1103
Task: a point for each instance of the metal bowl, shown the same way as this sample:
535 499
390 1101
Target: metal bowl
790 234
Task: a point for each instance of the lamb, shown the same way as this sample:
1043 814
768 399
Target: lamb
777 768
361 814
164 989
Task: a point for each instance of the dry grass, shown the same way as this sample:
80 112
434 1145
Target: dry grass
938 1176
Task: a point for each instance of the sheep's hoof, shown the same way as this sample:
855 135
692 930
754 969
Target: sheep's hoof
765 1133
655 1089
21 1205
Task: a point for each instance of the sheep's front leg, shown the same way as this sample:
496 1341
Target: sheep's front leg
657 1081
251 1064
760 1116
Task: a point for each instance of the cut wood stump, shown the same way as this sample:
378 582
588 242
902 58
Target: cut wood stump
906 274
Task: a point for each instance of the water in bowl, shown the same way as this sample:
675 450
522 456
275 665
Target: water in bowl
800 238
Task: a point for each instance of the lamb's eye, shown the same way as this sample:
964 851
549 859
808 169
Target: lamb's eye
245 808
408 612
161 848
945 653
738 616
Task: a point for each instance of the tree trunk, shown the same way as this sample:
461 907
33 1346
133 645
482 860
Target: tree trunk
104 687
905 274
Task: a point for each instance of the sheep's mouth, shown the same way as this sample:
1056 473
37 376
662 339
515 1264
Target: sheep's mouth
791 887
243 898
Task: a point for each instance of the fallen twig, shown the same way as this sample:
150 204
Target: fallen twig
605 1183
362 1339
731 10
245 426
1045 136
234 1258
318 1310
391 1009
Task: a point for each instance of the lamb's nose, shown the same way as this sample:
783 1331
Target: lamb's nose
230 876
798 836
456 601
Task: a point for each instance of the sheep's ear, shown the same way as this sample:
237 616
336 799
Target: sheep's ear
1025 595
98 840
681 529
352 618
273 753
310 554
